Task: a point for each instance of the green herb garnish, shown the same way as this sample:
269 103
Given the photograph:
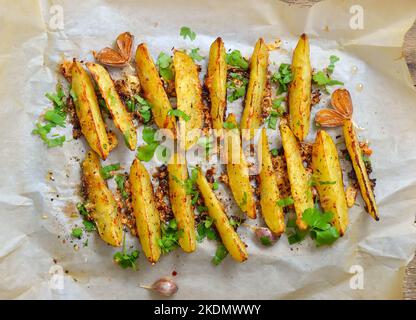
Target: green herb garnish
107 172
285 202
186 32
195 55
165 64
124 259
283 77
170 236
179 114
76 233
220 254
235 59
120 180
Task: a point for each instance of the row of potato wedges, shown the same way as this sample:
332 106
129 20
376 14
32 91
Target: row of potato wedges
326 166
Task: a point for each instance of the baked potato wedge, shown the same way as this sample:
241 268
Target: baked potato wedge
328 176
88 111
252 114
354 150
181 203
189 98
101 202
145 211
216 82
299 97
298 177
122 119
269 190
238 171
153 89
229 236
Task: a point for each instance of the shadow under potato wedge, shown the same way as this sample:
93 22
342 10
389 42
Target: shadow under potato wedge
232 242
327 174
189 98
299 96
121 117
216 82
238 170
269 190
101 202
145 211
252 114
88 111
181 202
153 89
298 177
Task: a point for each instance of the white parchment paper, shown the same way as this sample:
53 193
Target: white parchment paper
35 222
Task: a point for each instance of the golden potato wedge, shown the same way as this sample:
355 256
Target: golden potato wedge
104 209
354 150
229 236
252 114
189 97
298 177
122 119
328 176
181 203
145 211
269 190
299 99
153 89
88 111
238 171
216 82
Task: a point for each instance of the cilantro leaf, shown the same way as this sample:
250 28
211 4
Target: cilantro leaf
283 77
265 241
195 55
165 63
220 254
126 260
332 60
215 185
179 114
235 59
237 93
170 236
274 152
285 202
89 226
107 171
76 233
146 152
55 117
229 125
321 79
120 181
187 32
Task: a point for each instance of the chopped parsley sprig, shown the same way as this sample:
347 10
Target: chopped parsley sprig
126 260
323 78
170 236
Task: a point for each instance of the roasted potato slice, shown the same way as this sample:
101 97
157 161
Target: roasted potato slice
328 175
300 90
88 111
189 98
298 177
238 171
100 200
353 147
229 236
145 211
122 119
269 190
153 89
252 114
181 203
216 82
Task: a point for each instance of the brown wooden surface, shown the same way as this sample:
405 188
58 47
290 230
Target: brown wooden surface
409 52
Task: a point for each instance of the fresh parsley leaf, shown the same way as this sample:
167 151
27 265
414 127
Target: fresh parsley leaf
236 93
321 229
274 152
235 59
205 229
165 63
332 60
124 259
170 236
201 209
321 79
179 114
265 241
220 254
55 117
137 103
107 172
57 98
283 77
89 226
82 209
120 180
235 223
146 152
148 135
229 125
215 185
195 55
285 202
187 32
76 233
